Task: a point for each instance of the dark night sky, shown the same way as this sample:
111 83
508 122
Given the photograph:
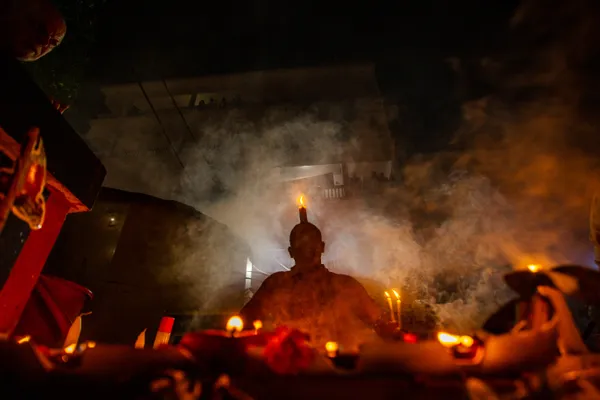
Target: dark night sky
145 39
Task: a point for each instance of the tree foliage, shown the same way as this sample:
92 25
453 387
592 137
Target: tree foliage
61 72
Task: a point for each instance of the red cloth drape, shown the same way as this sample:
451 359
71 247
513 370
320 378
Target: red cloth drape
53 306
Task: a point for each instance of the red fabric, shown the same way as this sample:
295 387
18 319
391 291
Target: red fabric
288 352
53 306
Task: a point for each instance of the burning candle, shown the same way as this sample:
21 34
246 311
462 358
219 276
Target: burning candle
257 326
399 306
332 349
234 325
302 209
389 300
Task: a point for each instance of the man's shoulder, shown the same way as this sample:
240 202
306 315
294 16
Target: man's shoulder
276 277
346 280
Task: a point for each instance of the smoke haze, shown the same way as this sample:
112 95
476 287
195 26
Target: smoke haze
515 189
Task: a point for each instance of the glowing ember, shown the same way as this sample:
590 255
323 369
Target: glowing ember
24 339
257 324
70 349
533 268
91 345
235 324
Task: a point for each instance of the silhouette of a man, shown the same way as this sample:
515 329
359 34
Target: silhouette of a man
327 306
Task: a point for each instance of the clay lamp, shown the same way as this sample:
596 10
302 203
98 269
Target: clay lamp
340 360
464 349
223 351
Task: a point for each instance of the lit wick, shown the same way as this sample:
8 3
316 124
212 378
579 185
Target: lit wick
399 306
302 210
389 300
533 268
257 326
332 349
234 325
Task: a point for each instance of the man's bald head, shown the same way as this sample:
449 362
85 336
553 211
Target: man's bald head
306 244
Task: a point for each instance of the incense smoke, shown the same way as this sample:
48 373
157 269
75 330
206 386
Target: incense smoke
445 229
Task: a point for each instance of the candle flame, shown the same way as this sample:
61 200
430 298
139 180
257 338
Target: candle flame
387 295
533 268
257 324
24 339
91 345
301 202
467 341
331 347
70 349
396 294
235 324
450 340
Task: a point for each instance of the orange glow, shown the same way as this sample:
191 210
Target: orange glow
235 324
91 345
387 295
24 339
449 340
301 203
70 349
533 268
257 324
396 294
466 341
331 348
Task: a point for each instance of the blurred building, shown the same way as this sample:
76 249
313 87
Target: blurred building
144 128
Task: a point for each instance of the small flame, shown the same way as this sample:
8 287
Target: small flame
387 295
235 324
91 345
70 349
467 341
449 340
257 324
396 294
331 347
24 339
533 268
301 202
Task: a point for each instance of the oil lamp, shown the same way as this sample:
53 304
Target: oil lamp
332 349
462 347
234 325
257 326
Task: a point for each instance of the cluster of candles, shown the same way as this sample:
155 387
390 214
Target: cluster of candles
395 317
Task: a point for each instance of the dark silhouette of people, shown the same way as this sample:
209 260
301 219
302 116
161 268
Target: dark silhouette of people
326 305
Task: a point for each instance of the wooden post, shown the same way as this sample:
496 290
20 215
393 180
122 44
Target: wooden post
26 270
